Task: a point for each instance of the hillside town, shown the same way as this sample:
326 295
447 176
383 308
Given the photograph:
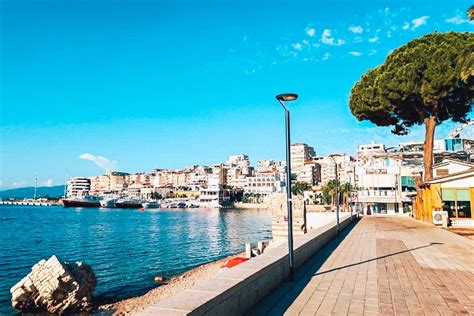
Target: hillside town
381 180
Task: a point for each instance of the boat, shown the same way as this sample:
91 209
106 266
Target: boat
108 203
232 263
150 205
83 201
181 205
128 203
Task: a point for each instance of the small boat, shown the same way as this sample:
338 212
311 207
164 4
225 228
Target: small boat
150 205
128 203
181 205
232 263
108 203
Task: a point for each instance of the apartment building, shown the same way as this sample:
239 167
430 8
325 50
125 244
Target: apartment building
265 183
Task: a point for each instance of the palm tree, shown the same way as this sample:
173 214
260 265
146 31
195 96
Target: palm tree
345 189
329 191
470 13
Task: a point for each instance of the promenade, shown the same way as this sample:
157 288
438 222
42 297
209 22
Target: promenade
382 266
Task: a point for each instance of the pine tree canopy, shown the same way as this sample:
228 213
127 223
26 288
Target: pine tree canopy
429 77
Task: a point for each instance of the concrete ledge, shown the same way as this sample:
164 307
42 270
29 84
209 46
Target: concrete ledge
235 291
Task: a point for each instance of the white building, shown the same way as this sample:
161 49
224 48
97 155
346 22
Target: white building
328 167
241 162
78 186
265 183
300 153
379 186
371 149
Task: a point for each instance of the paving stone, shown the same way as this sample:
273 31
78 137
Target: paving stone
392 266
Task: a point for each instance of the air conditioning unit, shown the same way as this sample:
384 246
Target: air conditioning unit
440 218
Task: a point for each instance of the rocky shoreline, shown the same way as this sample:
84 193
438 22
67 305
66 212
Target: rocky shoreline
167 289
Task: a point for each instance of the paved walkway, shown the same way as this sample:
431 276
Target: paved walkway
382 266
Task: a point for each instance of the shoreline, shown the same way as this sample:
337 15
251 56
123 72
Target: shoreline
161 291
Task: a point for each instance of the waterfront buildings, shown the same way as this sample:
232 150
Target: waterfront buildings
78 187
300 153
265 182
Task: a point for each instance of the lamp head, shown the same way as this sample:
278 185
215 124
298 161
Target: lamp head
287 97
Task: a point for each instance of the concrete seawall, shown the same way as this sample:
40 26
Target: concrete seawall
235 291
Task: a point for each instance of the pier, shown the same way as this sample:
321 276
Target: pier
379 265
27 203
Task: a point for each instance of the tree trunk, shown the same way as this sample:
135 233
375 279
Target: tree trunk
430 124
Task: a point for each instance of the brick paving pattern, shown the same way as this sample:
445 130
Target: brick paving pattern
390 266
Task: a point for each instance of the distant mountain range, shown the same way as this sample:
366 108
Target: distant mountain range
28 192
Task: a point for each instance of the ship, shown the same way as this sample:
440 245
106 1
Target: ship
83 201
128 203
108 203
150 204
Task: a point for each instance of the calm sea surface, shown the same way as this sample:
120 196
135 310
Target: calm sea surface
126 248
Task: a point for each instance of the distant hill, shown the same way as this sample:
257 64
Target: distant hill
28 192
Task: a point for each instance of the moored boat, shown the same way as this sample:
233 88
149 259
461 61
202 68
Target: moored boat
85 201
150 205
128 203
108 203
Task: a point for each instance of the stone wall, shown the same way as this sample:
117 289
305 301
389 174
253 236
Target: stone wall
277 203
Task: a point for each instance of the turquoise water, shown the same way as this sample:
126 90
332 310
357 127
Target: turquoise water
126 248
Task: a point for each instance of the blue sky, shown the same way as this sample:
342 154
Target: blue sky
166 84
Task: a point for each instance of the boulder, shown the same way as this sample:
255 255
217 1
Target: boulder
56 287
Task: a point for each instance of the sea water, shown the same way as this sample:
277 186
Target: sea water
126 248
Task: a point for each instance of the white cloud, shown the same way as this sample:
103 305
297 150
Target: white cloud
306 42
416 23
374 39
327 39
297 46
356 54
458 19
105 164
326 56
389 34
406 26
18 184
356 29
372 52
310 31
1 183
48 183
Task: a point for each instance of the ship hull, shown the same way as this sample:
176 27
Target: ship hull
77 203
128 205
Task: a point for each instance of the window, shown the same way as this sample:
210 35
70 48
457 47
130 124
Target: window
457 202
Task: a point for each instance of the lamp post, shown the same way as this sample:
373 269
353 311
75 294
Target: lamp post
281 98
337 195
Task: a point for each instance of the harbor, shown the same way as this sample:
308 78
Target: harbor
127 248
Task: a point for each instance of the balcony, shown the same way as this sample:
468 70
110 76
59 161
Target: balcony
378 196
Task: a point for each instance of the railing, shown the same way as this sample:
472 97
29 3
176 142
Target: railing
377 193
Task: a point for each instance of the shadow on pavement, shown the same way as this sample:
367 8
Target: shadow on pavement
278 301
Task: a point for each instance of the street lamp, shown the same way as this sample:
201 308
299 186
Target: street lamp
337 195
281 98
